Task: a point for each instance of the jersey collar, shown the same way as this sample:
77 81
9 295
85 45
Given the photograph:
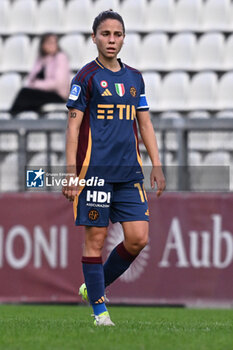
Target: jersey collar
119 72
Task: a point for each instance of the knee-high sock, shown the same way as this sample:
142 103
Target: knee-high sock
117 263
94 279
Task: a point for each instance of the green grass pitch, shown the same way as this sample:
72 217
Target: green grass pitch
25 327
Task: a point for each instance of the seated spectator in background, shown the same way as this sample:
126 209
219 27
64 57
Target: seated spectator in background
49 79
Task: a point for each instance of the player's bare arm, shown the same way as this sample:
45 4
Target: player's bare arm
72 134
150 142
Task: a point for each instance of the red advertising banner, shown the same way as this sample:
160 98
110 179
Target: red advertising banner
189 259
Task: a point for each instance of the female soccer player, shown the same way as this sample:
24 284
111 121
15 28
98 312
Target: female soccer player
106 99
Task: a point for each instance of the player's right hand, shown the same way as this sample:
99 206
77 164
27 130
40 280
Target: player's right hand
70 192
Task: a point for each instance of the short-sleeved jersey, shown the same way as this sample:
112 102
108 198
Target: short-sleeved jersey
108 141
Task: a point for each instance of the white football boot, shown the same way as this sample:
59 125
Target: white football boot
103 320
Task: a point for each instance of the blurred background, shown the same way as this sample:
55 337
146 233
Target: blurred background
184 49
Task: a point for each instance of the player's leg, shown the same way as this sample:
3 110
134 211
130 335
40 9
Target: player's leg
95 219
122 256
135 236
94 241
129 207
93 267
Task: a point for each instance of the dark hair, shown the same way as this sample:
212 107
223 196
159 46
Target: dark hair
106 15
43 38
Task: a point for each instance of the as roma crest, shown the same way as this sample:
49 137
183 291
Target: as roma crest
133 91
93 215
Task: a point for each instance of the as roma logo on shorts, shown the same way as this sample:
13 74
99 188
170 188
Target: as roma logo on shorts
133 91
120 89
93 215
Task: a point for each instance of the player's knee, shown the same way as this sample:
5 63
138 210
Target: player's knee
137 245
142 242
95 241
99 243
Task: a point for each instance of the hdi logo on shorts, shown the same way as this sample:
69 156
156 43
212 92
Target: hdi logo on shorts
35 178
98 196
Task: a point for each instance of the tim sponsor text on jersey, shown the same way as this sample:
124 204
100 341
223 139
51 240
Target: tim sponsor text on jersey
106 111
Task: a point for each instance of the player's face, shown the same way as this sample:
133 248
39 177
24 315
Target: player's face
109 38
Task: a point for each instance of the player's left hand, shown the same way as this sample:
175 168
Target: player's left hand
157 176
